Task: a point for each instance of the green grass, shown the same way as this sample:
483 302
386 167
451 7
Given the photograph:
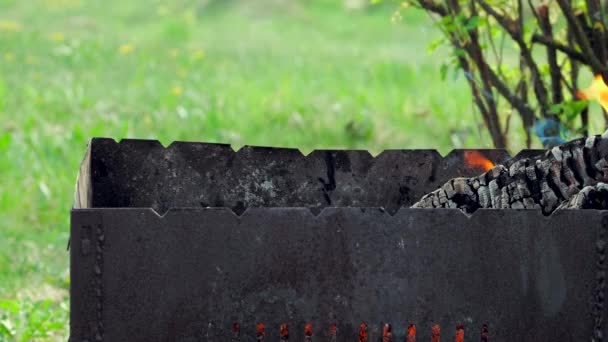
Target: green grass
306 74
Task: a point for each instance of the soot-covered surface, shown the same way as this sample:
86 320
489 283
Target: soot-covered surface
193 273
143 173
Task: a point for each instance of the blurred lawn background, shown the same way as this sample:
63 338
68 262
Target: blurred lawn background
307 74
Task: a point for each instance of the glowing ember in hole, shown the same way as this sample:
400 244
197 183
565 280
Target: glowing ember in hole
484 333
435 333
236 327
460 333
363 332
284 332
411 333
387 334
260 330
476 159
333 328
308 329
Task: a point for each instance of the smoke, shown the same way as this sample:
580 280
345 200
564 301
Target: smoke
550 132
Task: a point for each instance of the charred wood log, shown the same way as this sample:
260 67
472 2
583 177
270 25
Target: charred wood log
571 175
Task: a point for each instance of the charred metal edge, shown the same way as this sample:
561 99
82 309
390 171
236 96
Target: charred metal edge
326 210
442 167
245 148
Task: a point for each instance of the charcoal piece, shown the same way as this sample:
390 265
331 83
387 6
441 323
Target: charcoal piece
549 181
590 197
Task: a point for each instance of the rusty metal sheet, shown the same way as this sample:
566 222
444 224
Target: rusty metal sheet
191 274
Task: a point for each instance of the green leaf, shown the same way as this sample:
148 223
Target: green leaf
555 109
10 306
443 71
433 45
7 328
472 23
459 52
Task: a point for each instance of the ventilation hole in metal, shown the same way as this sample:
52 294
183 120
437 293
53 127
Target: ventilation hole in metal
236 331
284 332
333 332
308 332
260 331
436 333
363 332
459 333
485 333
411 333
387 333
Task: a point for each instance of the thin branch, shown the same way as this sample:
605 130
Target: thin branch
554 70
483 97
517 35
570 52
497 55
597 31
533 10
581 37
574 68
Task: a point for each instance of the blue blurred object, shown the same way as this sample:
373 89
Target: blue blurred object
550 132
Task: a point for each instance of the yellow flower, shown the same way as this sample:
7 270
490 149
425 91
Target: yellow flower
9 26
57 37
174 53
125 49
177 90
198 55
9 56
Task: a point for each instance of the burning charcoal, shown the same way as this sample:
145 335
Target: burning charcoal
484 197
549 181
493 186
578 157
443 198
591 197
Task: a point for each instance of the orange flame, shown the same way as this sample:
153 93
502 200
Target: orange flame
476 159
598 90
